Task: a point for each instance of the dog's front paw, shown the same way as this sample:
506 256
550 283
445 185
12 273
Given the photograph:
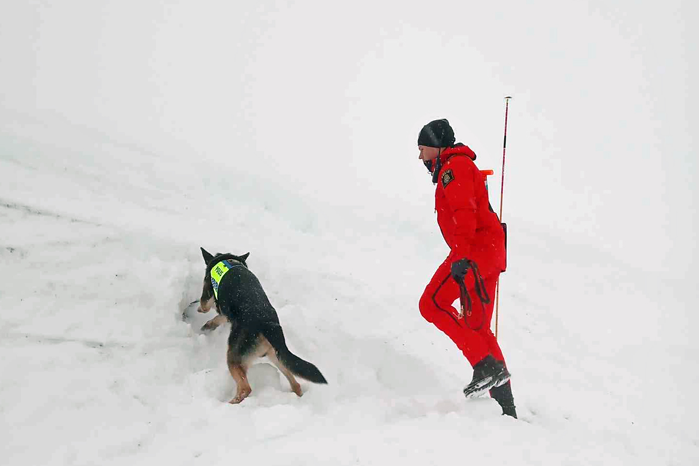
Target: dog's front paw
209 326
214 323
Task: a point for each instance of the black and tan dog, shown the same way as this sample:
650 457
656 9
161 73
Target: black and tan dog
255 327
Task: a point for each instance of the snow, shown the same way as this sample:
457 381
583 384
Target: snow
234 128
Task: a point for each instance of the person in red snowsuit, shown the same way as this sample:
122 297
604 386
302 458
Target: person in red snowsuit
477 256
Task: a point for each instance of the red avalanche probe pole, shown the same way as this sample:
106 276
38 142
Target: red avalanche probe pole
500 211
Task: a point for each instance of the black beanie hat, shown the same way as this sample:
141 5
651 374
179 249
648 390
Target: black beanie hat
437 133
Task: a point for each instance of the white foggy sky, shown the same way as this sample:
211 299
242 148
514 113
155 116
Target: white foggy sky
328 98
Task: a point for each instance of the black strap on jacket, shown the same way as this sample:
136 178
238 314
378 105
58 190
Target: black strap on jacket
480 292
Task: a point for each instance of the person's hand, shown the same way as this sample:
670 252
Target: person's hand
460 269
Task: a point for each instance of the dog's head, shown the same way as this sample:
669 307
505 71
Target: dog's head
207 300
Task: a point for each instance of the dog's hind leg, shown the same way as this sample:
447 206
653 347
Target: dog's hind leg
238 372
296 388
243 389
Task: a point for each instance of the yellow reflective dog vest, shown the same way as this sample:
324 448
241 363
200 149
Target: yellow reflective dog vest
217 274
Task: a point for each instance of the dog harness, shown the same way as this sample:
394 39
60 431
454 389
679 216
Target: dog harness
218 272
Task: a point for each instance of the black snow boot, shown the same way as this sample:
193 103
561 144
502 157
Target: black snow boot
488 373
504 396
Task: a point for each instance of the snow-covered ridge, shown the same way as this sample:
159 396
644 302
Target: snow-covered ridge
132 133
100 256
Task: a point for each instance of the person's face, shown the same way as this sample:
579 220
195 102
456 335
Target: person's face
427 153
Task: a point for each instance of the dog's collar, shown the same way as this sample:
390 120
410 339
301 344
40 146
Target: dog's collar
219 270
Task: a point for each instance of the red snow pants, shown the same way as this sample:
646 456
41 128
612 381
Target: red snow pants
476 341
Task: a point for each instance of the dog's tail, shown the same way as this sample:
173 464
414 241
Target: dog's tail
304 369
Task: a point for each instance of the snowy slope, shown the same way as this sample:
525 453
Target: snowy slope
132 133
100 257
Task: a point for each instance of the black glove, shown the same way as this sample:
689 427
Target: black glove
460 269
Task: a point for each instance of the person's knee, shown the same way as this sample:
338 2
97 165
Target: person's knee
426 306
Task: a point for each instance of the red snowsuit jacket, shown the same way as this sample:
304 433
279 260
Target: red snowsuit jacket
468 224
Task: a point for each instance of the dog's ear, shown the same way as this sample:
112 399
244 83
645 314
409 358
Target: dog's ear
207 257
245 256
